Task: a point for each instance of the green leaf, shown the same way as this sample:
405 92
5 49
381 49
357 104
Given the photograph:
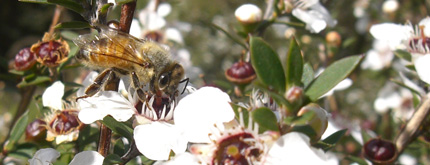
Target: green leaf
33 80
405 86
118 127
266 119
121 2
241 110
73 25
308 74
17 131
306 129
112 159
72 5
267 64
331 141
69 35
331 76
294 65
403 55
366 137
335 137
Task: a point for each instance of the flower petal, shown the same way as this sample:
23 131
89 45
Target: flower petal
391 33
198 112
107 103
87 157
44 156
313 23
173 34
423 68
180 159
156 139
294 148
52 97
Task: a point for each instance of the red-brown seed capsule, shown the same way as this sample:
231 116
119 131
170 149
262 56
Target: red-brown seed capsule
24 60
380 151
51 52
240 73
35 131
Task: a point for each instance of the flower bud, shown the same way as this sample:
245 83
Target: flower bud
317 119
390 6
24 60
240 73
333 38
380 151
249 16
35 131
51 52
294 95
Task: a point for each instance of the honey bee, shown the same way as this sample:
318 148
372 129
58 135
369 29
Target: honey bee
120 54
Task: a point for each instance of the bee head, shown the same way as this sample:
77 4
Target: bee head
169 79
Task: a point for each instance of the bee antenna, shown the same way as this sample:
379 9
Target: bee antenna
186 80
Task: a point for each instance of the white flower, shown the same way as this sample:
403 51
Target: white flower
199 111
248 13
400 101
88 158
314 15
295 148
405 37
52 97
180 159
48 156
44 156
379 57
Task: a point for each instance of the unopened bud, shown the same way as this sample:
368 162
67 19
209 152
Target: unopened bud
248 14
318 119
333 38
390 6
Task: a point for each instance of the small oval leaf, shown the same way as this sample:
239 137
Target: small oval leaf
331 76
118 127
308 74
266 119
403 55
267 64
294 65
73 25
17 131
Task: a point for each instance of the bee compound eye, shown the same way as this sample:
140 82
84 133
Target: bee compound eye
163 81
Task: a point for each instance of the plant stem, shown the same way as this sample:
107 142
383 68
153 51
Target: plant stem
409 132
127 12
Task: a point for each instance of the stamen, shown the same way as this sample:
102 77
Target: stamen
163 113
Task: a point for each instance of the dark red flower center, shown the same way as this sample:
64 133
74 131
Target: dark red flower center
236 149
65 121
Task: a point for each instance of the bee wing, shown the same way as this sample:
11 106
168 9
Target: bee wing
111 43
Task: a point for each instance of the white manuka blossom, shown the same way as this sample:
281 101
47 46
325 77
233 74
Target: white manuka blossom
313 14
48 156
410 38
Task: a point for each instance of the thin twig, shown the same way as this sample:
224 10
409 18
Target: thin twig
409 132
55 18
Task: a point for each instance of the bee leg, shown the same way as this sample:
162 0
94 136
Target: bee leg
98 82
136 84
